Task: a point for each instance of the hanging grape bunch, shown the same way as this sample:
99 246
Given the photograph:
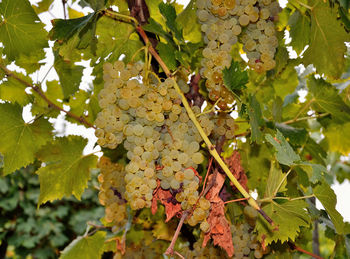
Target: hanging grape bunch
224 23
162 143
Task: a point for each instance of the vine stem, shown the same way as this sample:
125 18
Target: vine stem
43 96
170 250
193 117
294 247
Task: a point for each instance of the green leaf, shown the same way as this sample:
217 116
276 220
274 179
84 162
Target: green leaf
43 6
314 171
156 28
275 177
255 119
286 82
289 217
19 140
326 49
64 29
78 33
327 197
21 31
85 247
67 171
296 136
169 13
54 94
167 53
14 91
328 100
69 74
285 153
234 78
338 137
96 4
299 31
187 20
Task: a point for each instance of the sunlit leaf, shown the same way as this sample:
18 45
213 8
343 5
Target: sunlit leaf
19 140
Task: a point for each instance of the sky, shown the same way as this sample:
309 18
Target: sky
65 128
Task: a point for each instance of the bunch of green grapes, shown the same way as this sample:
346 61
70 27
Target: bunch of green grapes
225 126
163 145
199 252
245 242
111 179
224 22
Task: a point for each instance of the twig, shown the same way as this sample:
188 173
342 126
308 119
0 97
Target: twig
192 116
287 198
38 90
170 250
295 247
241 199
206 177
64 9
179 255
306 118
303 109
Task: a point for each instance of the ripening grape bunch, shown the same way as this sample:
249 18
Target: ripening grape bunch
111 179
224 23
145 115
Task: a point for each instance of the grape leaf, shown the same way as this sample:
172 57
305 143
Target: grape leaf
169 13
19 140
67 171
285 153
234 78
327 99
69 74
96 4
299 31
14 91
339 138
327 197
72 34
167 53
188 22
296 136
255 119
85 247
314 171
54 94
21 31
326 49
288 217
286 82
275 177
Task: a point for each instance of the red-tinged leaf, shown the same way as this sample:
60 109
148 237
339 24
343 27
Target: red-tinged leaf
172 207
219 226
235 166
120 244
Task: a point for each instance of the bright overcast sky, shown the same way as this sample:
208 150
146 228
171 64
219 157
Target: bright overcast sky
342 191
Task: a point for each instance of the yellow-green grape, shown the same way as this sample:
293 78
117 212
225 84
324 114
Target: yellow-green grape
111 190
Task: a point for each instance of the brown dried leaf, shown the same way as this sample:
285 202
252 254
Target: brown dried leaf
172 207
219 226
235 166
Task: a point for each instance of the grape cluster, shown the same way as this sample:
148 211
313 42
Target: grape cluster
162 143
111 179
224 22
245 242
225 126
199 252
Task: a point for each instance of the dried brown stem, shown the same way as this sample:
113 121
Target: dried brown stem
38 90
170 250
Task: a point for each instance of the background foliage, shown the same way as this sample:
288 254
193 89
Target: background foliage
305 141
